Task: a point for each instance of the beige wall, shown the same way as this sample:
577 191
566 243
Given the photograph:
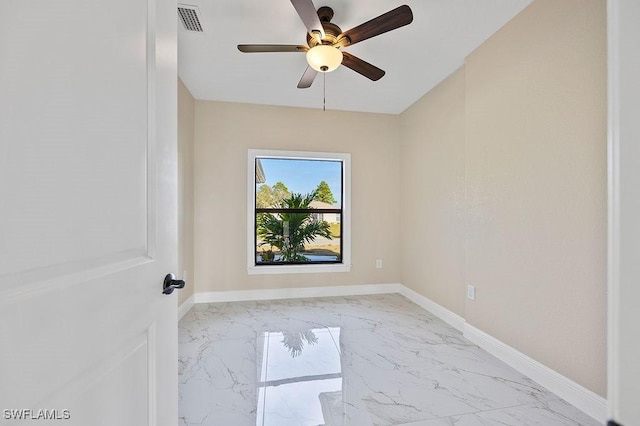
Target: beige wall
432 140
536 187
223 134
523 125
186 106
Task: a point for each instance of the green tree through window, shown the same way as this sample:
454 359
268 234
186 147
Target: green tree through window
324 194
289 232
267 196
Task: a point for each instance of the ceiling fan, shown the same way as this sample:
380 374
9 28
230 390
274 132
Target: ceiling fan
325 39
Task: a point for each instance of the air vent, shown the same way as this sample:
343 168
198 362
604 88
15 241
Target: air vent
190 16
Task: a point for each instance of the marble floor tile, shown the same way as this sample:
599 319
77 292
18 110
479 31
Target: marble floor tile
365 360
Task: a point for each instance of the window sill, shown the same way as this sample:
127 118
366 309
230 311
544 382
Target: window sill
297 269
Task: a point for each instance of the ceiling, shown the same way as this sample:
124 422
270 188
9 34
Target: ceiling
415 57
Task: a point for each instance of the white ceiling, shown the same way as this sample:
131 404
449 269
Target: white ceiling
415 57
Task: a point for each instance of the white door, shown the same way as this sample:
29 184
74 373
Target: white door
87 212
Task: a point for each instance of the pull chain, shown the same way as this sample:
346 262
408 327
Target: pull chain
324 91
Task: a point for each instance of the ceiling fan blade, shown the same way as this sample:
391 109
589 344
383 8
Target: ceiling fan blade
362 67
262 48
307 78
391 20
307 12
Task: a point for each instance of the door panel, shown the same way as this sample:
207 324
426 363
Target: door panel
131 396
115 392
77 136
87 154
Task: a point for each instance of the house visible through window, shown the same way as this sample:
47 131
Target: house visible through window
298 212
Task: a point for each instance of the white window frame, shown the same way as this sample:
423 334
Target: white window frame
345 227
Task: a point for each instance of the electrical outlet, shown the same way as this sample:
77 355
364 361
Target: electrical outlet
378 263
471 292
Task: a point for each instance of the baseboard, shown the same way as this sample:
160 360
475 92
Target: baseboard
575 394
185 306
294 293
454 320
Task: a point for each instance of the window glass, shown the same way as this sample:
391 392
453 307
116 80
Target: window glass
298 211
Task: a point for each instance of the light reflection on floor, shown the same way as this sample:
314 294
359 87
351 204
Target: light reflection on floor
300 377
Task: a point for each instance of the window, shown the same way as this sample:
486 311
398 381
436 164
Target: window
298 216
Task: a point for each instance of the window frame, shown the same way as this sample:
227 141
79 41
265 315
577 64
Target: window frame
345 226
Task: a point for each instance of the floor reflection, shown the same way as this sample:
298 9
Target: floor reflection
300 377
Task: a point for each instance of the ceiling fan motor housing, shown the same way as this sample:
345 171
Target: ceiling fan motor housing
332 31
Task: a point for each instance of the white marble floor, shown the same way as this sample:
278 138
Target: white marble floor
362 360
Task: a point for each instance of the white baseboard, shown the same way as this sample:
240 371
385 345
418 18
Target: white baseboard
575 394
185 306
454 320
582 398
294 293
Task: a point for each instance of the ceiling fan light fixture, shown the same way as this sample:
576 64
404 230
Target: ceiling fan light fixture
324 58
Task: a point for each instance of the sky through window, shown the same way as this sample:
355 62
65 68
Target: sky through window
303 176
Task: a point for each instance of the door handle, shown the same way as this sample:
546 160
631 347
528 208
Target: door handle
170 284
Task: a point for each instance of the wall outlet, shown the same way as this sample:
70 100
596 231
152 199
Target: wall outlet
378 263
471 292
